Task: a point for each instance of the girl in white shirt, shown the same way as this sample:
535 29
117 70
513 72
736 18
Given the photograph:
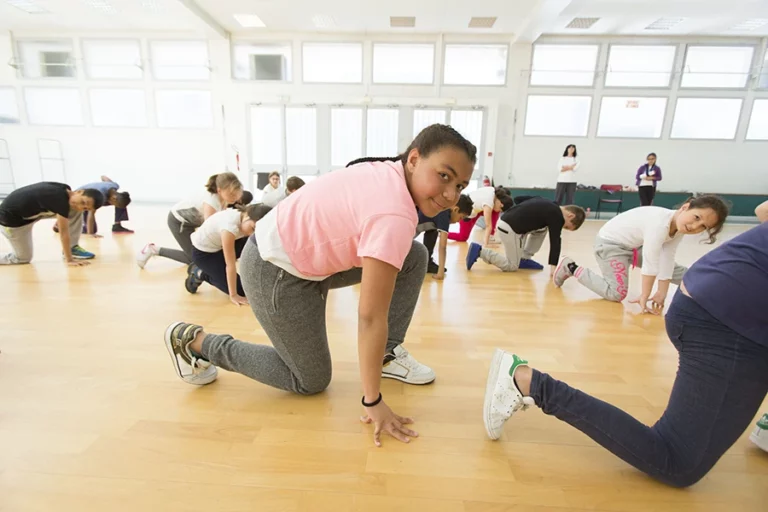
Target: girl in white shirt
273 193
566 178
187 215
487 202
216 247
653 231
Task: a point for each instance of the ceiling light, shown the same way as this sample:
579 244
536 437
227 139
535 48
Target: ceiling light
750 24
323 21
101 5
664 23
249 20
27 6
582 23
482 22
402 21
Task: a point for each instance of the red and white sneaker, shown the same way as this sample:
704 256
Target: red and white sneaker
146 253
562 272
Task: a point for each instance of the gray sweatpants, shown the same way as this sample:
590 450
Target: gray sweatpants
182 232
22 247
614 262
292 313
516 246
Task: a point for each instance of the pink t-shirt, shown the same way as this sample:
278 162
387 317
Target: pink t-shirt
331 224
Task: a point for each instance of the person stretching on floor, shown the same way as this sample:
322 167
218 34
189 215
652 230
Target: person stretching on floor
437 226
351 226
487 202
655 233
522 229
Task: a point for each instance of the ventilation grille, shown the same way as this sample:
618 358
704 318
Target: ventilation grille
482 22
402 21
582 23
664 23
749 25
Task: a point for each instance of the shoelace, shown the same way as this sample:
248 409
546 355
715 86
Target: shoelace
406 360
509 400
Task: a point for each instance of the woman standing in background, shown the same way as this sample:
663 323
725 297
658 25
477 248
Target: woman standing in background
645 179
566 179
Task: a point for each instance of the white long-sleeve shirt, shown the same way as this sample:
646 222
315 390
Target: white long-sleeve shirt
567 176
273 195
646 227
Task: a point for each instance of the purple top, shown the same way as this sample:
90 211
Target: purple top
643 170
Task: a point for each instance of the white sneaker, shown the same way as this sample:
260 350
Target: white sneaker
562 272
189 368
502 398
400 365
759 436
145 254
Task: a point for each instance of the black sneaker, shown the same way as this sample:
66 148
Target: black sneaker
194 278
117 229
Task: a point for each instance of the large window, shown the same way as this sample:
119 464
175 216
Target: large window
558 115
346 135
53 106
763 80
758 122
184 109
267 136
631 117
469 123
558 64
382 131
426 117
640 66
717 66
403 63
7 181
332 62
112 58
180 60
9 109
46 59
262 62
118 107
475 64
706 118
301 136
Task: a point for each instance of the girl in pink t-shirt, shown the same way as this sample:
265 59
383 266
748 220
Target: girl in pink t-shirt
350 226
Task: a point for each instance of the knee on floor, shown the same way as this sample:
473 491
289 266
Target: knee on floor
314 386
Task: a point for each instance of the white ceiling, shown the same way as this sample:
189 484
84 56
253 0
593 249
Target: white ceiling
525 18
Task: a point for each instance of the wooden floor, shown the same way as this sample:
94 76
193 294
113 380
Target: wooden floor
92 417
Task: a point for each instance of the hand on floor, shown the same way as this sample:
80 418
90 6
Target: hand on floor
655 308
384 419
439 276
238 300
78 263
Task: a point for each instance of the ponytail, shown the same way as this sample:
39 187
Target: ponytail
225 181
210 185
375 159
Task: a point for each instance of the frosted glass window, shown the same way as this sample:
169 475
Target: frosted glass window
6 171
332 62
763 80
50 106
180 60
403 63
301 135
717 66
631 117
424 118
51 160
640 66
382 131
9 108
262 62
267 135
758 122
46 59
118 107
184 109
706 118
558 115
346 135
475 64
561 64
469 123
113 59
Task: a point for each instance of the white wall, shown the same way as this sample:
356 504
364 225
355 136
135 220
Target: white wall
162 165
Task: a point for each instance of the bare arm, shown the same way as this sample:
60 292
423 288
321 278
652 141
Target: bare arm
208 210
92 222
762 212
488 217
66 244
105 178
442 251
228 246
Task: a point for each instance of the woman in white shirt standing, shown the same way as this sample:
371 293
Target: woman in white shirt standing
566 179
273 192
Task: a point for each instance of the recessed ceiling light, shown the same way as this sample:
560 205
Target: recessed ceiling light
27 6
750 24
249 20
664 23
582 23
323 21
482 22
402 21
101 5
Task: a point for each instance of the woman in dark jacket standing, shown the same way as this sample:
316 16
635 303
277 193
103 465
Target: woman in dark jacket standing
645 179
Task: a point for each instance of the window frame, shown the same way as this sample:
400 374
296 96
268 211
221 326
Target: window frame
404 43
17 102
762 69
749 120
151 61
361 43
755 50
738 120
16 53
672 71
663 119
595 72
589 118
142 59
444 63
287 43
